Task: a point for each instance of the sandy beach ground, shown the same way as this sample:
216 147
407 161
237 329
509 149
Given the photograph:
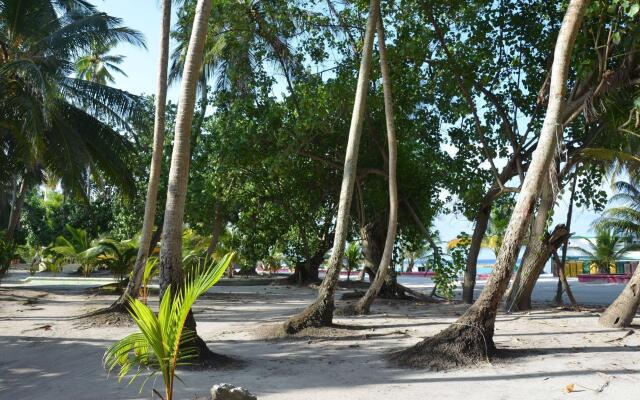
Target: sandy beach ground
47 354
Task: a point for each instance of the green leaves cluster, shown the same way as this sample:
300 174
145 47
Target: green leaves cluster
163 343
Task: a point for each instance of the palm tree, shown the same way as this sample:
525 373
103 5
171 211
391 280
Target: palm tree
77 246
320 312
606 249
51 121
171 250
470 339
352 257
415 251
118 257
163 342
626 220
97 65
134 285
363 305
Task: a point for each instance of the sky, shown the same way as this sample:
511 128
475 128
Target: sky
141 65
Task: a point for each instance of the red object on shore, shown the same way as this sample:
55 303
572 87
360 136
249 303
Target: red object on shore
417 273
604 278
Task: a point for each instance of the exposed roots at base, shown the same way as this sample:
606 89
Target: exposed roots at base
458 346
115 315
317 315
207 359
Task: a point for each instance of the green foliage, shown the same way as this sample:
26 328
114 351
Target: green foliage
118 257
7 251
352 257
625 218
163 343
606 249
95 66
150 270
447 272
53 123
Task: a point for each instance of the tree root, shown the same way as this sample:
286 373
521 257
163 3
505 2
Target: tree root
458 346
317 315
205 359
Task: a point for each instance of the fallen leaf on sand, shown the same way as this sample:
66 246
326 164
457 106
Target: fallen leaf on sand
43 327
628 333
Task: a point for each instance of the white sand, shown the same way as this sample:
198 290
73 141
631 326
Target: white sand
65 360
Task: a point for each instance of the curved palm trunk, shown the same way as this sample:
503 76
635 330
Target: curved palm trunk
171 249
320 313
133 287
364 304
621 312
470 339
536 255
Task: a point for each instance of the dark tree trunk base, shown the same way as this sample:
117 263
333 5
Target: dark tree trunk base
115 315
294 279
206 359
317 315
457 346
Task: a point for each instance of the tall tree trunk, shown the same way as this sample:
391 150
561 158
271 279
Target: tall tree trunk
16 210
373 238
171 249
155 170
364 304
320 313
470 339
469 283
536 255
621 312
562 278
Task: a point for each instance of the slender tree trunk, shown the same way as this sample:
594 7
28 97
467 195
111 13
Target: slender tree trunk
320 313
364 304
470 339
16 211
469 283
536 255
133 287
373 239
562 278
171 249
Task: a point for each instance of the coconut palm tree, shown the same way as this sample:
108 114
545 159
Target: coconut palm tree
52 121
625 218
171 272
163 342
412 252
134 285
606 249
363 305
97 65
77 247
352 257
